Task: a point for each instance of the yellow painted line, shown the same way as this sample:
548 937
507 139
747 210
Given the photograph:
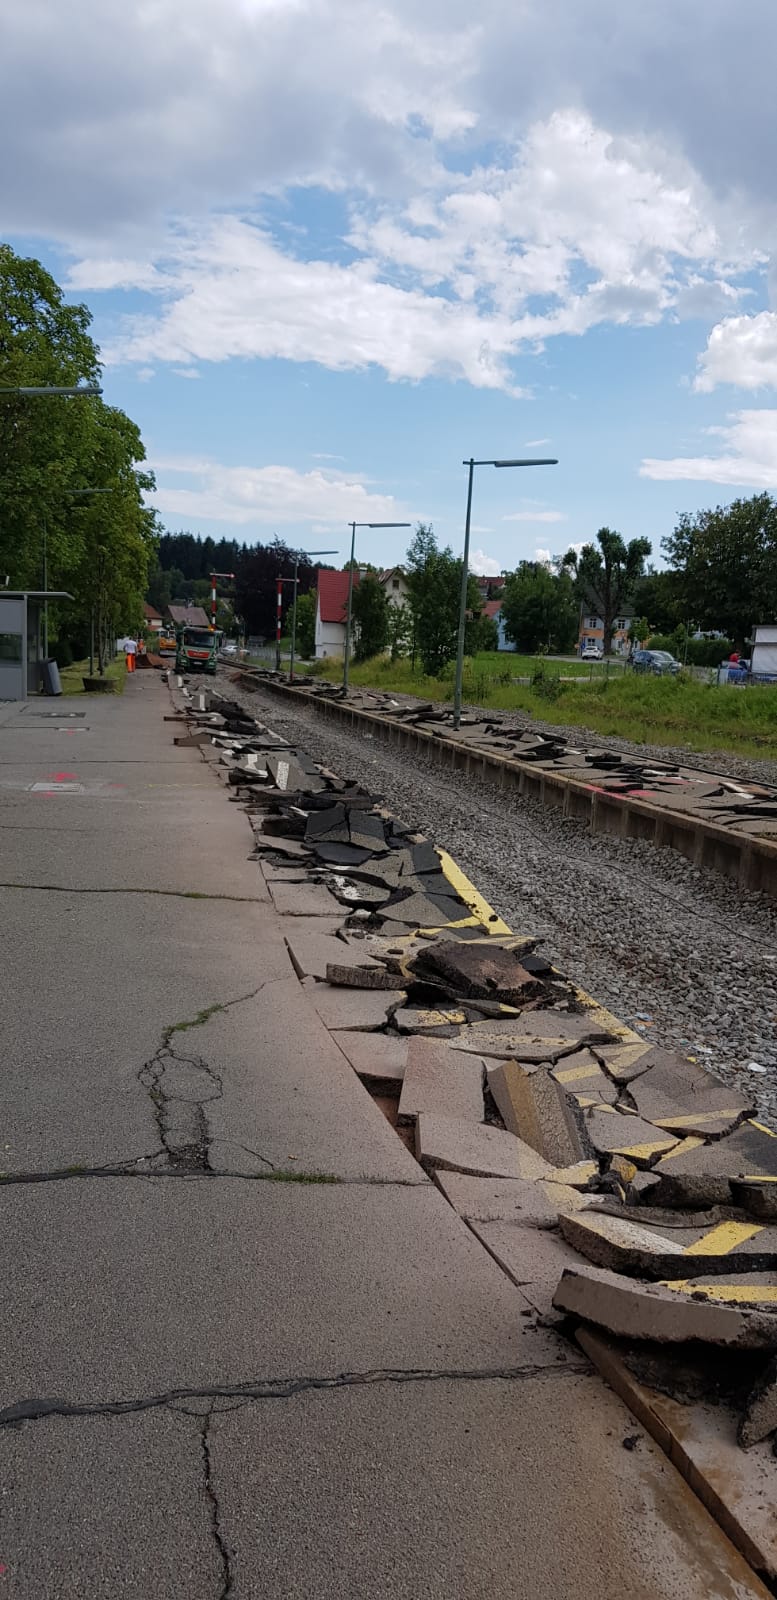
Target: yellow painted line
683 1149
643 1152
762 1128
483 912
574 1074
756 1177
733 1293
624 1055
693 1118
600 1017
721 1240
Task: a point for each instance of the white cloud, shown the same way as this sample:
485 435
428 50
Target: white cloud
749 456
543 555
535 516
484 566
232 292
741 350
534 444
267 495
474 272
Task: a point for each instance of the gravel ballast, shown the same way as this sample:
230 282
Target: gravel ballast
678 952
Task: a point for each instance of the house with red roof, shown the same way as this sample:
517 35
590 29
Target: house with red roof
331 612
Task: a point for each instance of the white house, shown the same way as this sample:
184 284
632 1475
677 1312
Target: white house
331 612
395 584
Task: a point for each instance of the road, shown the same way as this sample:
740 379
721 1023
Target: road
215 1384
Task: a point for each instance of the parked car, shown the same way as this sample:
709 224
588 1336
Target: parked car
229 649
592 652
659 661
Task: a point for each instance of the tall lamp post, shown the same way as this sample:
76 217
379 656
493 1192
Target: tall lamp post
354 526
540 461
298 554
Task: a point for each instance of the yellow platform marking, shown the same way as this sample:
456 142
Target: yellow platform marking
762 1128
755 1177
693 1118
684 1148
733 1293
721 1240
574 1074
642 1152
482 911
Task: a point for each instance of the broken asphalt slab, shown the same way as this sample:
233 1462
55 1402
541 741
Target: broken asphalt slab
438 1080
535 1204
651 1252
636 1310
534 1107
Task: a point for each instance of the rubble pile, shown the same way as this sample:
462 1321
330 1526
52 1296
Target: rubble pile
618 1184
744 807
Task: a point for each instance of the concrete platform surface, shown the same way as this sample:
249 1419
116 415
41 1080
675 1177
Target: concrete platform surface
223 1376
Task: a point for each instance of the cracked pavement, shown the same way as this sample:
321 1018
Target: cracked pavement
248 1348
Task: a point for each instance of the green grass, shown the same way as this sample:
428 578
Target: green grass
641 708
72 677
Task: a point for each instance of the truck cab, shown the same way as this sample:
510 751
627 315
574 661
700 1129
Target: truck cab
195 650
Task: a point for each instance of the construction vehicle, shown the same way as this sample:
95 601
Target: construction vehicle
196 649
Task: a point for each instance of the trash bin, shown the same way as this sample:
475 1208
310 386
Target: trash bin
51 683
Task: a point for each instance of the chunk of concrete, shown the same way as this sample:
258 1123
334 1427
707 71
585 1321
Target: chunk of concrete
303 900
679 1095
634 1310
534 1107
426 911
473 1147
352 1008
437 1079
626 1060
760 1414
618 1133
581 1076
700 1174
660 1252
312 953
535 1205
757 1290
482 969
378 1058
532 1257
427 1019
372 977
758 1196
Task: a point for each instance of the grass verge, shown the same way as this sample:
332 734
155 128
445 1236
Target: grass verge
72 677
641 708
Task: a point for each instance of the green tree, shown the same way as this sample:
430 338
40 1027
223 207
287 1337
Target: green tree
371 617
640 631
657 595
434 582
726 561
306 625
605 578
400 635
117 532
539 608
52 448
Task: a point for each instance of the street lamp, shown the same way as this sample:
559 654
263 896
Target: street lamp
297 557
73 391
540 461
354 526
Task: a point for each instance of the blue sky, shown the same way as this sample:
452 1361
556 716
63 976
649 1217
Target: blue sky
331 250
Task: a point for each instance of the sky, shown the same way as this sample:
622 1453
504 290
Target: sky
334 248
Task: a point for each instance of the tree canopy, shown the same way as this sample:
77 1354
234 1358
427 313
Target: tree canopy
53 449
434 582
605 577
726 561
371 617
539 608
